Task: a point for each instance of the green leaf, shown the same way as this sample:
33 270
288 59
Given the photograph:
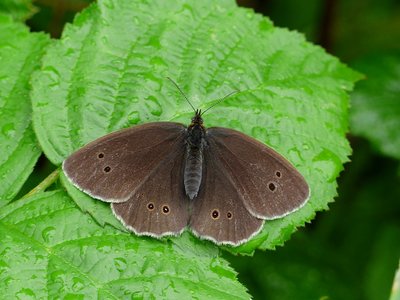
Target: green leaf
381 268
50 249
100 211
20 10
109 71
20 53
363 34
375 112
396 286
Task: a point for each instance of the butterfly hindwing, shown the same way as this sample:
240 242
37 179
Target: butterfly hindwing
218 212
159 206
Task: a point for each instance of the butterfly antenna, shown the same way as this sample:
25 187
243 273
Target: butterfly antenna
220 100
183 94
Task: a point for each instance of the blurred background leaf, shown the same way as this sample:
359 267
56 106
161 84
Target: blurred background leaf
396 286
375 112
19 10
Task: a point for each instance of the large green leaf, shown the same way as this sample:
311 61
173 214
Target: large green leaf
50 249
20 53
109 71
375 112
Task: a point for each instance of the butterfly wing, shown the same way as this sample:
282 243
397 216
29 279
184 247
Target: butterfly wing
112 168
159 206
268 185
218 212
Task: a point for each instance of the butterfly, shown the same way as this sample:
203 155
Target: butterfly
163 177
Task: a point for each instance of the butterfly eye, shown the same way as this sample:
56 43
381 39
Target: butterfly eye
150 206
107 169
100 155
278 174
272 186
165 209
229 215
215 214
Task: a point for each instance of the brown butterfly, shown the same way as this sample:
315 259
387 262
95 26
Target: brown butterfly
162 177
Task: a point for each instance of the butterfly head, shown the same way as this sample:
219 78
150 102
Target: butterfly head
197 119
196 130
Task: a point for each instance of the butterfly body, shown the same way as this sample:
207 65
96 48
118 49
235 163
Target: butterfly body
151 172
195 144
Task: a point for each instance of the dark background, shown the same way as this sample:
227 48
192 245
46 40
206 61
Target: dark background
352 250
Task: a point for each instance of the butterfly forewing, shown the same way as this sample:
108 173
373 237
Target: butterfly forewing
268 185
159 206
218 212
113 167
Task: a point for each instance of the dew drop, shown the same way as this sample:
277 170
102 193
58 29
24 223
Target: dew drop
9 130
134 117
25 293
120 264
48 233
210 55
78 284
256 111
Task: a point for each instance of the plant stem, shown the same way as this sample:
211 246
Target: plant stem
49 180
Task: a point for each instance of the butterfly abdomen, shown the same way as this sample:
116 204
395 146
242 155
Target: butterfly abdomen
194 159
193 170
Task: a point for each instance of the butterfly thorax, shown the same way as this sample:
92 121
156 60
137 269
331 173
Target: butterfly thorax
195 142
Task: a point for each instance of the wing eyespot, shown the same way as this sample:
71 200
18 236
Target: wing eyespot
107 169
165 209
150 206
229 215
100 155
272 186
278 174
215 214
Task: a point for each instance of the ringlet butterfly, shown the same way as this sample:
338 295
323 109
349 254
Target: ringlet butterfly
162 177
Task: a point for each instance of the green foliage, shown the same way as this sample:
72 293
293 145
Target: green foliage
396 286
108 71
100 211
375 112
99 78
20 53
353 251
366 26
20 10
50 249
